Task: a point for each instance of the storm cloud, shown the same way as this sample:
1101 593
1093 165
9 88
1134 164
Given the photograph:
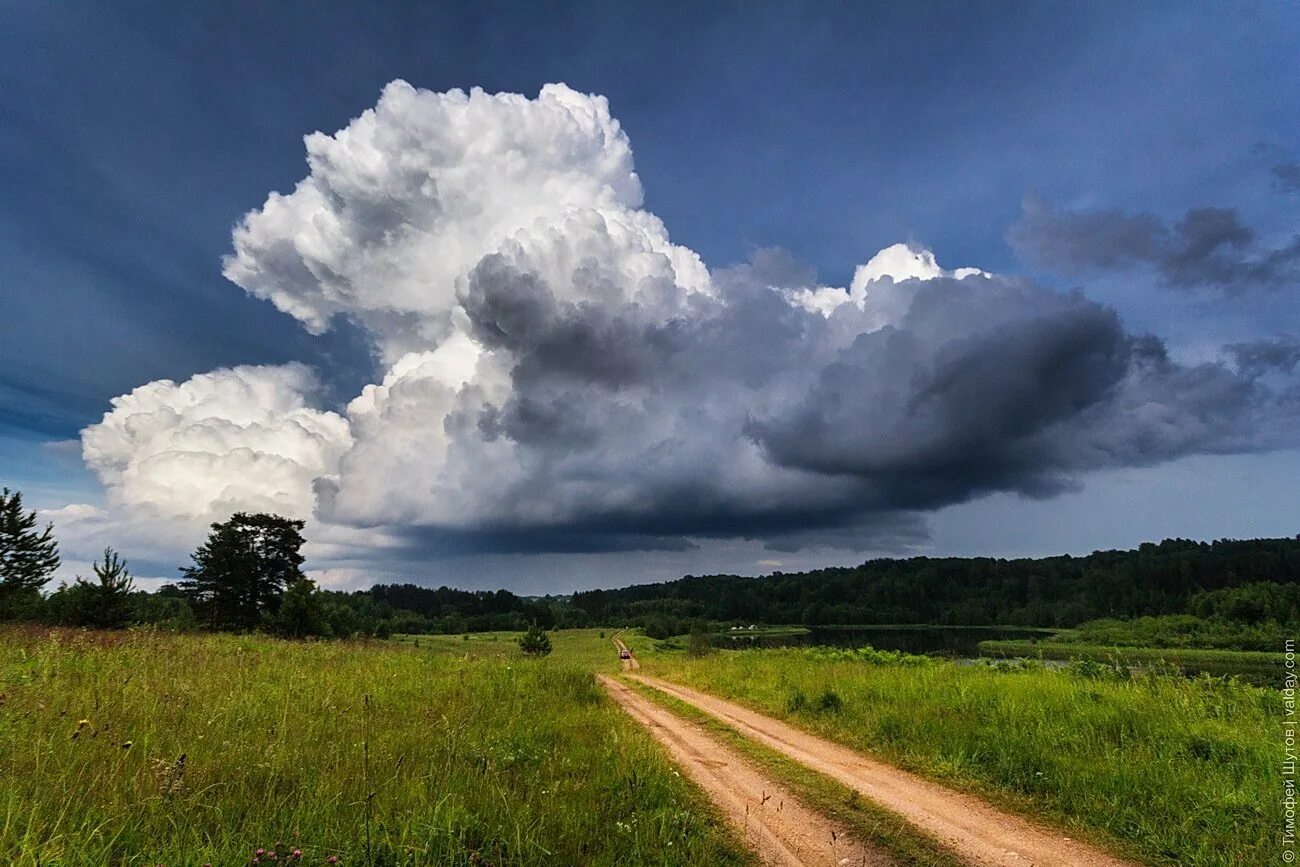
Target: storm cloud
561 376
1206 248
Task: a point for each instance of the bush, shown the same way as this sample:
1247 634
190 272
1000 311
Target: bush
829 701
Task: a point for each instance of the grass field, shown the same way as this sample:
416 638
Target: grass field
149 748
582 649
1170 770
1259 667
140 748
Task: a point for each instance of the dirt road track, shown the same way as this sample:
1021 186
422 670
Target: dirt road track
764 814
975 831
630 663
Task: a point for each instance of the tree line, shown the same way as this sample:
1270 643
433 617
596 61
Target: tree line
1063 591
248 575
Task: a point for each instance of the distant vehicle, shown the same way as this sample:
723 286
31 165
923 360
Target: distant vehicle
625 654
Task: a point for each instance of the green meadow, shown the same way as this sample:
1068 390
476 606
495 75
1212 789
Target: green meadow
151 748
143 747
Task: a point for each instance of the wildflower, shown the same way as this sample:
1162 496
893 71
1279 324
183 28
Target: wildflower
295 854
333 859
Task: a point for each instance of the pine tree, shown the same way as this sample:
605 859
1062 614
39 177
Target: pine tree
535 642
240 572
112 594
27 558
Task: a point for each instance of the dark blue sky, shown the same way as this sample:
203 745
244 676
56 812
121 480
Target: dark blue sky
133 136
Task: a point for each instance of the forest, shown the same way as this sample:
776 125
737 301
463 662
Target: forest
1166 578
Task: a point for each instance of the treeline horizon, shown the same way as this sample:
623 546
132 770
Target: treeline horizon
1246 581
1061 591
247 577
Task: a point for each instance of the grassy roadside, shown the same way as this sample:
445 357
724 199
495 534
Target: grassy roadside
1170 770
141 748
869 823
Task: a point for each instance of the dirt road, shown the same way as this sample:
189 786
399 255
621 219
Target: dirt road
629 661
766 816
977 832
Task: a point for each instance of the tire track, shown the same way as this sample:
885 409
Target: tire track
764 813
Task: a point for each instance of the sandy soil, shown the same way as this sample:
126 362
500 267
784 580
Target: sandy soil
975 831
766 816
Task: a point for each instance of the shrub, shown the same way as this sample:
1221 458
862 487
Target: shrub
829 701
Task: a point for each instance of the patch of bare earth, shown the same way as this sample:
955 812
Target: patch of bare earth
974 830
766 816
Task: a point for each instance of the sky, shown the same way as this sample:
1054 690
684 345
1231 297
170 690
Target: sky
502 295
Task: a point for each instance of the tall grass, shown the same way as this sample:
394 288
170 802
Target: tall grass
139 748
1176 771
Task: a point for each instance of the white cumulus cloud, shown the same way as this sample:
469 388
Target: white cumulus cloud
414 192
239 438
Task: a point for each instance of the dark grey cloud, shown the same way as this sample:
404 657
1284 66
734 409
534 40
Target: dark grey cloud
995 385
1206 248
1257 357
981 385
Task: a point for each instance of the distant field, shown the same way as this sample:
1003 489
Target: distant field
584 649
1260 668
1172 770
140 748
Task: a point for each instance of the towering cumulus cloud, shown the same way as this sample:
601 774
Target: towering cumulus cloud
561 376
